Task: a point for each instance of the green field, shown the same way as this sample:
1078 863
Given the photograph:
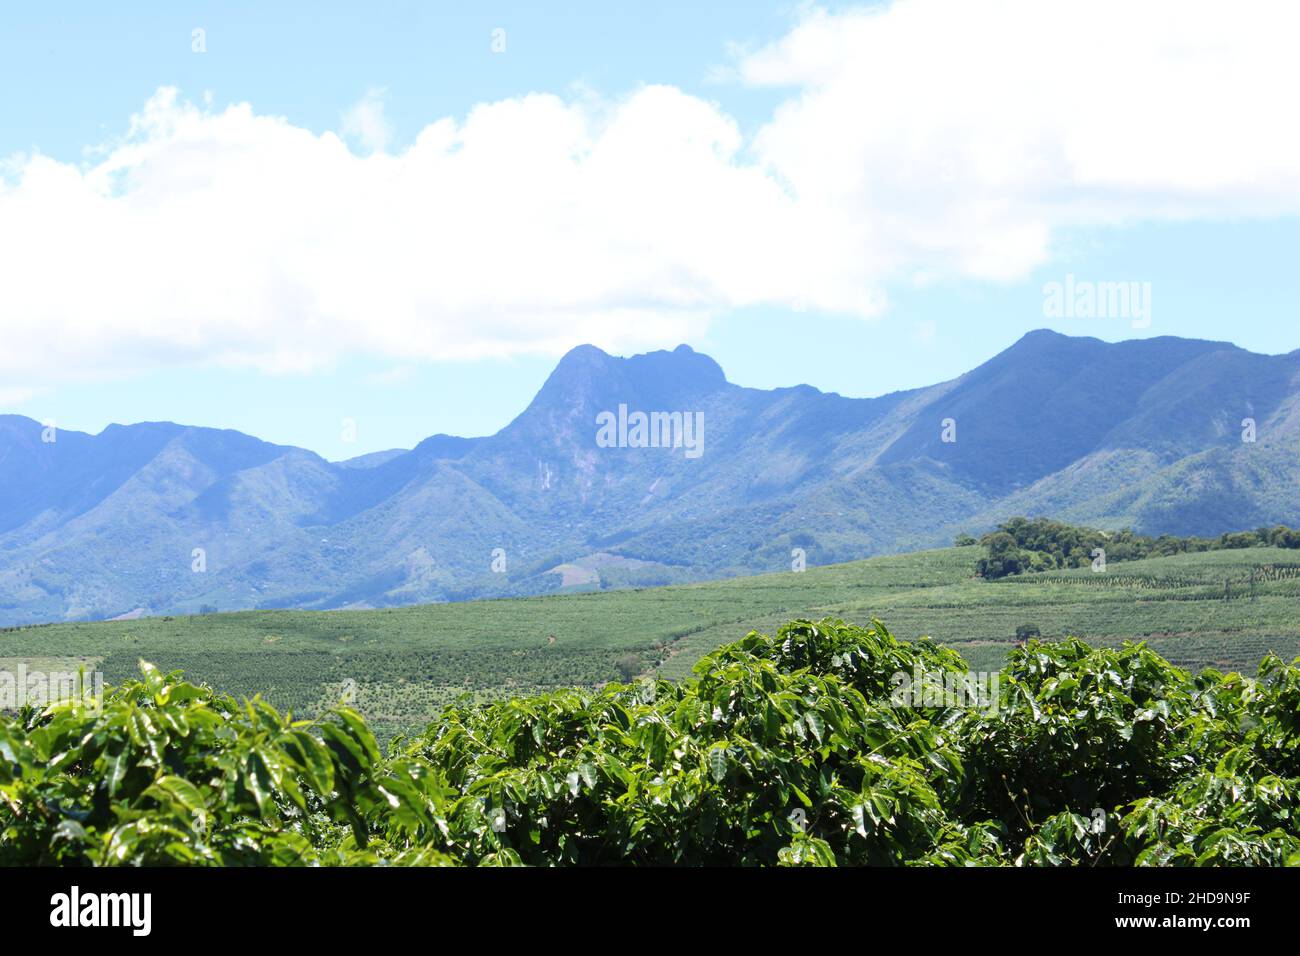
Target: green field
406 663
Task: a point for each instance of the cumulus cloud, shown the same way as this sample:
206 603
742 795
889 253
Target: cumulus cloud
927 138
961 135
528 226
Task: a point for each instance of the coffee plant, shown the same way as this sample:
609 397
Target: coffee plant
783 750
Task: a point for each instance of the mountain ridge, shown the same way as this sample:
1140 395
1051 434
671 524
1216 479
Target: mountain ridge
1145 433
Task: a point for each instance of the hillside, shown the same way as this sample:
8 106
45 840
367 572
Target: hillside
1144 434
403 665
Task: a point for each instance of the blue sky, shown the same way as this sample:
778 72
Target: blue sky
1217 249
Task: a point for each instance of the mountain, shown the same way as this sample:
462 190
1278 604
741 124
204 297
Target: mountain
159 518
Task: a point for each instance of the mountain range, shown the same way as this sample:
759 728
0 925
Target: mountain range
1163 435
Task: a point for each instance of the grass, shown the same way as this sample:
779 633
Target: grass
401 665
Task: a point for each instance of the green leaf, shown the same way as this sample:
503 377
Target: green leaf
118 762
813 721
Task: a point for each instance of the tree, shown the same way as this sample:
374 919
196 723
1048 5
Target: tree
1004 556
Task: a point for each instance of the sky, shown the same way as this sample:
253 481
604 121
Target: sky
349 227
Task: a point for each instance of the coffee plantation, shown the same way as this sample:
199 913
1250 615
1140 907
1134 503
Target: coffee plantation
777 750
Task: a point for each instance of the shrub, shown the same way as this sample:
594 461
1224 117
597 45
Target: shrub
782 750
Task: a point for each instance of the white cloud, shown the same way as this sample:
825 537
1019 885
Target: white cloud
928 138
366 124
961 134
530 226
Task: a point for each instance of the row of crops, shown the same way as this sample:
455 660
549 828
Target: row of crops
1258 575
